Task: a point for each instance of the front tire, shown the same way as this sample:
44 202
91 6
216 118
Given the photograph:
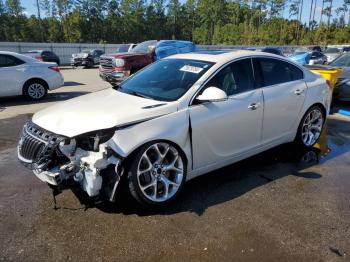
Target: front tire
156 174
310 127
35 89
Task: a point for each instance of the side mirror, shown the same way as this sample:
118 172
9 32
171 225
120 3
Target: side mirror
212 94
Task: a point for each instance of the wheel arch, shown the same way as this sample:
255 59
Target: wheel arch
46 85
323 108
129 157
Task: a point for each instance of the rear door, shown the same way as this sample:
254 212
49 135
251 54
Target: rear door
284 91
11 75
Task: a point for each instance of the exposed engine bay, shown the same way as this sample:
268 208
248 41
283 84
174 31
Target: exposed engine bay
84 159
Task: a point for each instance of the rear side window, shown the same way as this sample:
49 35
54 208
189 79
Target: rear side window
275 71
8 60
234 78
295 72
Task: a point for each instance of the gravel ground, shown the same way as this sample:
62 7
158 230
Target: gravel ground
282 205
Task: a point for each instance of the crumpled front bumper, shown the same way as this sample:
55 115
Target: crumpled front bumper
79 61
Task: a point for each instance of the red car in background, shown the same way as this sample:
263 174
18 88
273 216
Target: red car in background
115 68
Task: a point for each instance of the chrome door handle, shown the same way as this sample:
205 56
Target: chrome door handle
253 106
298 92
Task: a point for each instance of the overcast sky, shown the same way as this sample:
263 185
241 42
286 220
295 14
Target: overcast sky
30 8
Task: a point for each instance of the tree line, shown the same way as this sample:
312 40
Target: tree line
231 22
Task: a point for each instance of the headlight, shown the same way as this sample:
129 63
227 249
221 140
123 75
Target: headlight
91 141
118 62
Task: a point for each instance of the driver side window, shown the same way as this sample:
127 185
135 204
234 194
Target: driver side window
234 78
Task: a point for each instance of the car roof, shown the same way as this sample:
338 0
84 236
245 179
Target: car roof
34 51
223 57
25 58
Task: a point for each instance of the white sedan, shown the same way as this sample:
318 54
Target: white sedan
22 75
176 119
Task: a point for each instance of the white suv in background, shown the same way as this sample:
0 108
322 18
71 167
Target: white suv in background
22 75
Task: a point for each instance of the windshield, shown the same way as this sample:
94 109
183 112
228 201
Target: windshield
165 80
342 61
123 48
300 53
332 50
86 51
144 47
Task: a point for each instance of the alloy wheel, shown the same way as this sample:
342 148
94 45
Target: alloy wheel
36 90
160 172
312 127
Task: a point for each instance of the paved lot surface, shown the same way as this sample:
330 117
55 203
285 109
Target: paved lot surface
283 205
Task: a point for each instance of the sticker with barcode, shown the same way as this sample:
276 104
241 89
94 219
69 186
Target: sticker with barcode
191 69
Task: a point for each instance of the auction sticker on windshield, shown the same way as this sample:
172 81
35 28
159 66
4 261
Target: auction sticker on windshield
191 69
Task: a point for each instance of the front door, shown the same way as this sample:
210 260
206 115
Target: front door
222 130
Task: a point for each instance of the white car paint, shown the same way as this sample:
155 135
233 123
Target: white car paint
212 134
13 78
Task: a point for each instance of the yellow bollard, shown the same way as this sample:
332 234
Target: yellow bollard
331 75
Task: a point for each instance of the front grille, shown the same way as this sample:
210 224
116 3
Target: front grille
36 146
77 60
31 147
106 62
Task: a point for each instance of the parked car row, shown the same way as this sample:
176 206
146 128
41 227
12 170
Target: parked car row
129 58
114 68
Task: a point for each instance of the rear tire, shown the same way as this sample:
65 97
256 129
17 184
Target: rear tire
35 89
310 127
156 174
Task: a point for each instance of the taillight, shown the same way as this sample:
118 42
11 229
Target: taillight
39 57
55 68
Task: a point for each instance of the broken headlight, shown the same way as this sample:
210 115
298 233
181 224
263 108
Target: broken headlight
91 141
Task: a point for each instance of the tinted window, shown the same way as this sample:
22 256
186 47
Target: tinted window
332 50
295 72
123 48
344 60
7 60
316 54
272 51
235 78
275 72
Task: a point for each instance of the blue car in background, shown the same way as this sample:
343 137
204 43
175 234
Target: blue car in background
302 58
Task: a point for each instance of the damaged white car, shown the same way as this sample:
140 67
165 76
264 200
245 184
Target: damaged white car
176 119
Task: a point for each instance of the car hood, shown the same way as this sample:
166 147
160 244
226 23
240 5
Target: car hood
100 110
128 54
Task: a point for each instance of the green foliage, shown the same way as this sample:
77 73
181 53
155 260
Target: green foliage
230 22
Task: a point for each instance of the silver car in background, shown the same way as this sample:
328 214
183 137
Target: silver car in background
332 53
174 120
342 90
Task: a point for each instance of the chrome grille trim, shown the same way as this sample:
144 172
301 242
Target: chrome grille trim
36 146
106 62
